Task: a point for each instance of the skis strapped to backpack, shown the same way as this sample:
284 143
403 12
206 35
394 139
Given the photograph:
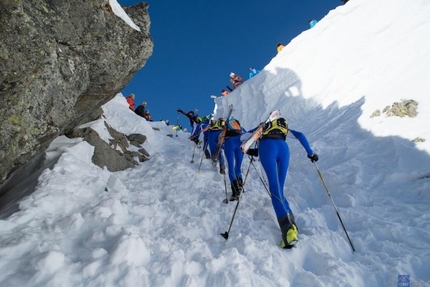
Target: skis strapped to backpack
258 132
221 136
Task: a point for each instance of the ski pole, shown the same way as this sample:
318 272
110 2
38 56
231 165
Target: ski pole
225 188
203 153
194 151
338 216
177 124
261 179
225 234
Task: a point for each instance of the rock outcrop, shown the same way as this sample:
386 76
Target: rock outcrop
399 109
60 61
117 154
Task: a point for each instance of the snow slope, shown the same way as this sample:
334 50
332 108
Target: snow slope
159 224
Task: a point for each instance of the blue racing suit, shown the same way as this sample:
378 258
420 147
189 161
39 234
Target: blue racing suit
195 134
234 156
275 157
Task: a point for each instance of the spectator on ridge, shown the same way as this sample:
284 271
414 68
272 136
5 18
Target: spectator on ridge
236 80
130 101
253 72
280 47
312 23
147 116
140 110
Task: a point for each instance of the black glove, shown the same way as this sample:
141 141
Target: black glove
313 158
179 110
252 152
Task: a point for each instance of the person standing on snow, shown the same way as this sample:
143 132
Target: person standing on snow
196 134
280 47
253 72
194 119
312 23
236 80
224 93
234 156
274 157
130 101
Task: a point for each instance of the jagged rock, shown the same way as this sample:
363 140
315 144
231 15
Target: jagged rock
108 155
60 61
144 152
376 113
104 155
136 139
405 108
118 139
140 156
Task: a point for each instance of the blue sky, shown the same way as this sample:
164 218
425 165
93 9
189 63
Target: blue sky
198 43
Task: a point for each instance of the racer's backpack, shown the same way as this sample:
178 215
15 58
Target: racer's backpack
233 124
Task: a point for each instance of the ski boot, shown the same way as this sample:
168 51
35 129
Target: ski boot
240 185
289 231
235 192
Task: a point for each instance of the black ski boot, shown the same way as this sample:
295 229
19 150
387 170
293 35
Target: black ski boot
234 191
240 185
207 154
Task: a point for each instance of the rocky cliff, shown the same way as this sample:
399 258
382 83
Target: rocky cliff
59 62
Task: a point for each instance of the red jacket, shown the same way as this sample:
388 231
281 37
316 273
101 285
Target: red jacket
130 102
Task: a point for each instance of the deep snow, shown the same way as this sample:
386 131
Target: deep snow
159 224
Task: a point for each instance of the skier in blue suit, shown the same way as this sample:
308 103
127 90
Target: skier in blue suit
234 157
195 134
274 157
253 72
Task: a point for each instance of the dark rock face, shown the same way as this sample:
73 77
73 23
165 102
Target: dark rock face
115 155
60 61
